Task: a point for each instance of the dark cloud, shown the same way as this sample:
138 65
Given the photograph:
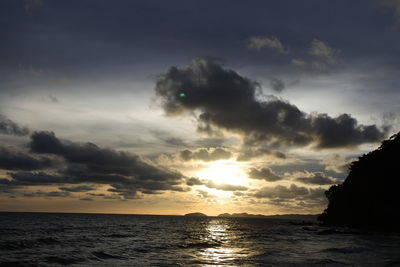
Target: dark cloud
210 142
15 160
79 188
203 154
175 141
86 199
105 196
254 152
264 174
226 100
317 178
38 178
89 157
47 194
344 131
293 194
7 187
53 99
277 85
169 140
125 173
7 126
194 181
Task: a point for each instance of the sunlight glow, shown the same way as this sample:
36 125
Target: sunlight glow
224 172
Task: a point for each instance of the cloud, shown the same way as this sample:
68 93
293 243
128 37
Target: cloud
323 57
337 164
210 184
299 62
53 99
169 140
264 174
204 194
15 160
9 127
95 159
283 192
316 178
225 187
271 42
125 173
277 85
194 181
174 141
255 152
292 196
105 196
46 194
210 142
79 188
37 179
222 99
86 199
203 154
323 51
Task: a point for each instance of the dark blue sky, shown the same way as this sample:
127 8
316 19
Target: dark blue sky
77 36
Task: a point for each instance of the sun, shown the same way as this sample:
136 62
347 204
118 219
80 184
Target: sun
224 172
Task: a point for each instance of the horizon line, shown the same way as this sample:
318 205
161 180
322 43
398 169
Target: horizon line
147 214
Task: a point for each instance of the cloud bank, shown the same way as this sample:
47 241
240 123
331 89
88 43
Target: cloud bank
9 127
126 174
222 99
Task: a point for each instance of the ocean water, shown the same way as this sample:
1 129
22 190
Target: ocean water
39 239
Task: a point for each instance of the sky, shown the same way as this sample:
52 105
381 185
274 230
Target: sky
170 107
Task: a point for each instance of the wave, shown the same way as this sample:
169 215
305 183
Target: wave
25 244
201 245
345 250
64 260
119 236
104 256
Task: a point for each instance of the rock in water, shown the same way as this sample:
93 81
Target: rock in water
370 195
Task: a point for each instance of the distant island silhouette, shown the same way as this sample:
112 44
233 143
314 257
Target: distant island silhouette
195 214
304 217
307 217
369 197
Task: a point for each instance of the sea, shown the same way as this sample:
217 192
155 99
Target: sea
59 239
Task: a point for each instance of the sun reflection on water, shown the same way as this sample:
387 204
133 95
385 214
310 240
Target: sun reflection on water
225 249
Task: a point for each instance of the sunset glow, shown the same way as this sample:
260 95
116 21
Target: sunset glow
189 108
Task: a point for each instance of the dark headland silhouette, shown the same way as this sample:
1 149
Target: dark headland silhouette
370 196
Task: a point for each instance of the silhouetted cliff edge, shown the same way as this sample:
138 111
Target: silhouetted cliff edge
370 195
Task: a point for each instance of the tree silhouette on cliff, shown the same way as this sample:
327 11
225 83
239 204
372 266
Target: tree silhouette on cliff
370 195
